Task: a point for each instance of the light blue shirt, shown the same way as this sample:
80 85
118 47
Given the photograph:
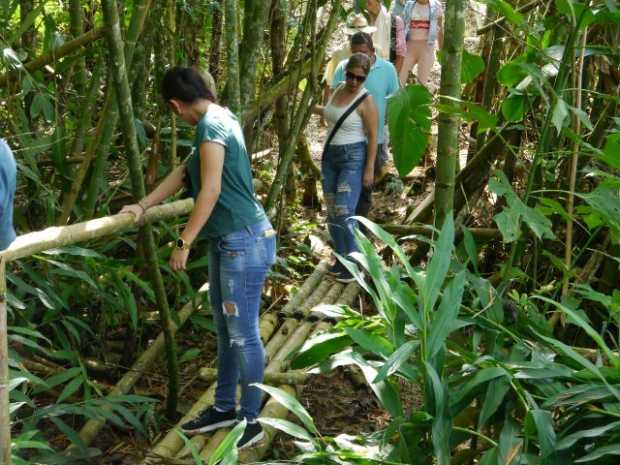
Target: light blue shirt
382 82
8 175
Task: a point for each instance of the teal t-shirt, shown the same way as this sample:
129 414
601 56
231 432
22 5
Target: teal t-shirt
236 206
381 83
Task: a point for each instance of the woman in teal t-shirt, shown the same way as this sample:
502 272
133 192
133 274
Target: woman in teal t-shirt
242 246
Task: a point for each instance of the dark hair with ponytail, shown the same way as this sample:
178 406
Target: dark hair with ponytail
186 85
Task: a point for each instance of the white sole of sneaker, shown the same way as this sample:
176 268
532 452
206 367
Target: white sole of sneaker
214 426
253 441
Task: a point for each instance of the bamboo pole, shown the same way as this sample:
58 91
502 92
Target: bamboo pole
448 130
314 299
60 236
92 427
233 91
55 54
5 417
287 377
123 92
306 288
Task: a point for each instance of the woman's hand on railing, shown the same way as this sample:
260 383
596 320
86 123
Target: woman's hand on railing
136 210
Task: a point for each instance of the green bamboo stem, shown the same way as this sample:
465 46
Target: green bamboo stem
119 73
56 54
77 29
448 131
5 418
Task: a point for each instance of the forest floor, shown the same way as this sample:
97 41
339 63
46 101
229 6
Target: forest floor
336 401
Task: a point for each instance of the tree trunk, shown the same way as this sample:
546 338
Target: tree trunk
77 29
450 90
216 41
121 82
233 92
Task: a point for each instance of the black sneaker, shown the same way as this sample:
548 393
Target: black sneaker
210 419
345 276
335 269
253 433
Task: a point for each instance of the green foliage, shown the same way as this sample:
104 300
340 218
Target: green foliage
409 120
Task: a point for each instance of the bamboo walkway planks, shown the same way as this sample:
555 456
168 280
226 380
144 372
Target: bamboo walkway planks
297 323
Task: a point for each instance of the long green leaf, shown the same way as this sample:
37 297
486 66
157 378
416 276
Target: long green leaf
394 362
439 265
291 404
288 427
227 450
445 318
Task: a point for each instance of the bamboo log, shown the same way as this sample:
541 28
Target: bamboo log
56 54
288 377
306 289
5 417
349 294
285 331
315 299
90 430
60 236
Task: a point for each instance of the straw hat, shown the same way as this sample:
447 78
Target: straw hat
358 23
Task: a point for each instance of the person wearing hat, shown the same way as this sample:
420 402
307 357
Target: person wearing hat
8 175
355 23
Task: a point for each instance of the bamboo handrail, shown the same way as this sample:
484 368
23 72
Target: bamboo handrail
60 236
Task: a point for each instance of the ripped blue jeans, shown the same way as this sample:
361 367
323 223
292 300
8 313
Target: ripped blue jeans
238 266
342 168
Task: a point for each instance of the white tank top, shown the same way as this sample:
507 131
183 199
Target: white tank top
352 129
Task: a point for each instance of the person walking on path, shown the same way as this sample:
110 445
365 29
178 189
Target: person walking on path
390 33
424 30
348 162
241 246
8 175
381 83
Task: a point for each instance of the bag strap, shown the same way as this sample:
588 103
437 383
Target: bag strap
344 116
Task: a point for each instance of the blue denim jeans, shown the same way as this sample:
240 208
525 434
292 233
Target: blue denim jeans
343 167
238 265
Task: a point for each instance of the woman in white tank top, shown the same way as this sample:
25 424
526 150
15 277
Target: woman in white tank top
348 157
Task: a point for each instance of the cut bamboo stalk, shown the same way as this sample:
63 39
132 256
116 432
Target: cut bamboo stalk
172 443
92 427
287 377
60 236
306 289
349 294
314 299
281 336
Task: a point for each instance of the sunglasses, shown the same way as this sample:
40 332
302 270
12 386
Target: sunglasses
355 77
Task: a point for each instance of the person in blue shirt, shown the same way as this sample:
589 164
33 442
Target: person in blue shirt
8 175
381 83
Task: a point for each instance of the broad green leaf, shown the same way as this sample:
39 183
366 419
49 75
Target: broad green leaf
481 377
439 265
444 320
288 427
493 398
291 404
319 348
471 67
41 105
612 449
394 362
442 426
470 247
508 223
509 444
571 439
374 343
505 9
227 451
611 152
513 107
409 120
546 433
559 115
70 388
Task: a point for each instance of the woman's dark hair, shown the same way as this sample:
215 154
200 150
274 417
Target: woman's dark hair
359 60
362 38
185 84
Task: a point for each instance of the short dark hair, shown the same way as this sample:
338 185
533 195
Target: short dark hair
359 60
185 84
362 38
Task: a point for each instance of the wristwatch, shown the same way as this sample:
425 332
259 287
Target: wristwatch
182 245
